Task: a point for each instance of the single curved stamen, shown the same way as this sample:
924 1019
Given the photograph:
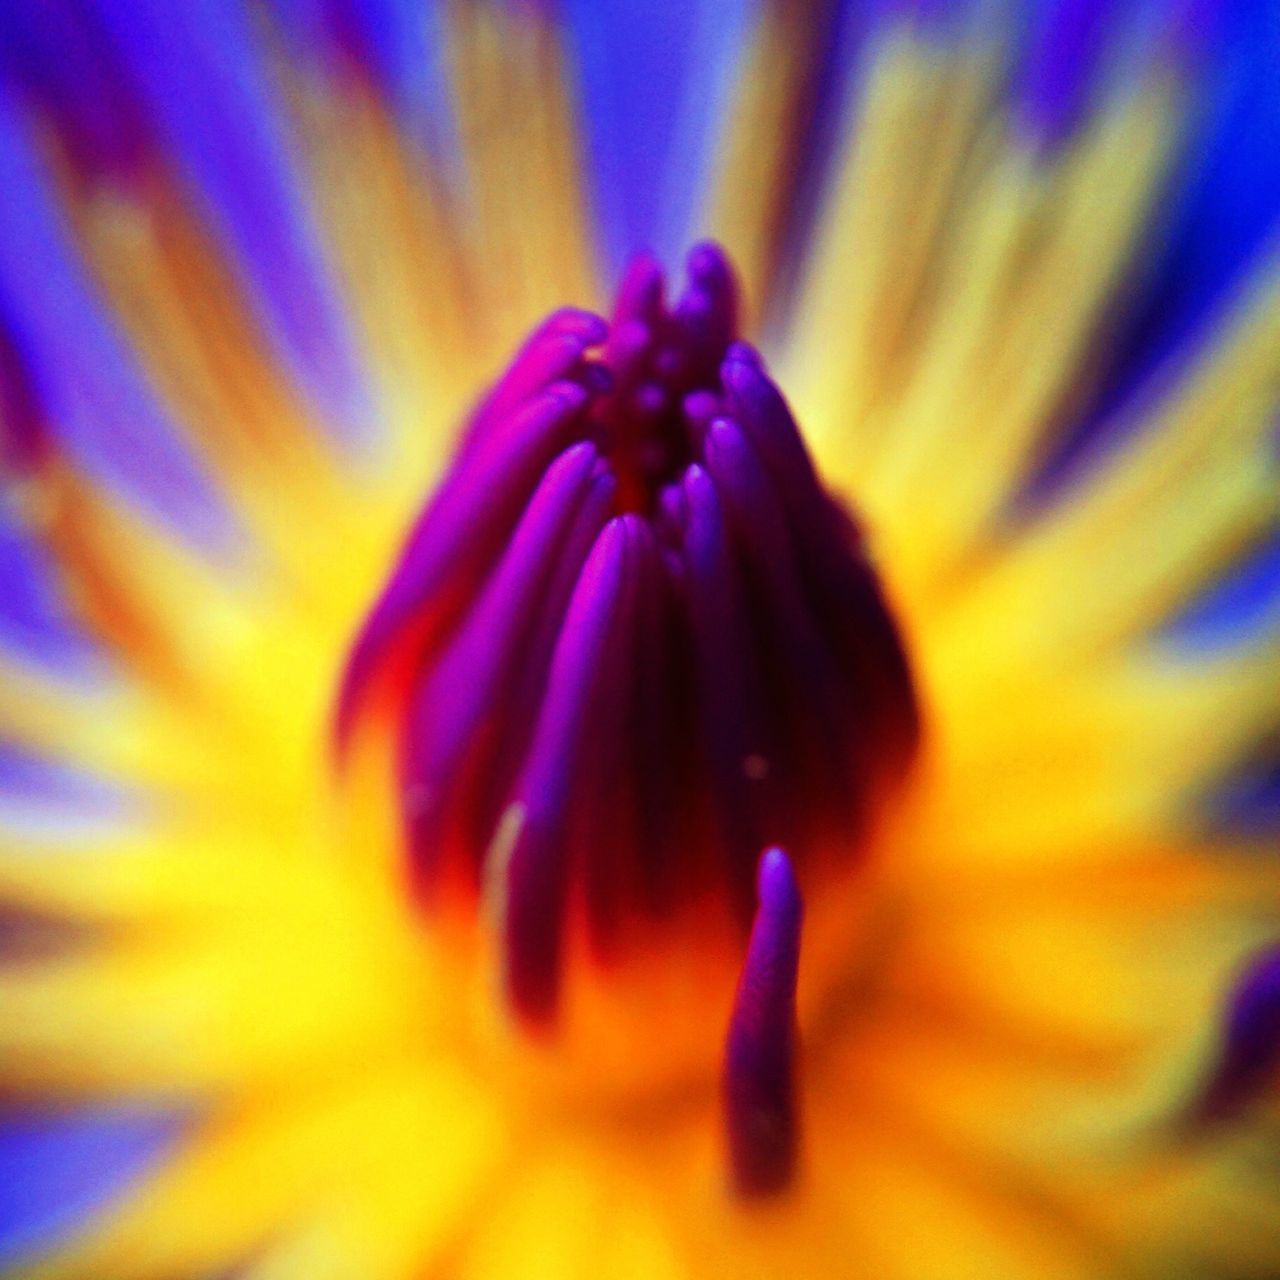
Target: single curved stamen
1248 1060
633 637
573 728
758 1084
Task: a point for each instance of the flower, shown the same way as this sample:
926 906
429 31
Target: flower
777 813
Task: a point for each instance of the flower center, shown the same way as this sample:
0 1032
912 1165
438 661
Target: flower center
630 644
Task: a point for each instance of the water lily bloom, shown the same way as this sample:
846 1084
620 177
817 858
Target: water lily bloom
639 640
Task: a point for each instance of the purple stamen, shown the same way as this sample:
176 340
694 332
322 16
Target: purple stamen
756 513
640 293
457 539
630 643
759 1081
452 717
536 871
1248 1059
729 717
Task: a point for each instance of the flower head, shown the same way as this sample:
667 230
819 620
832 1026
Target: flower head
636 806
630 643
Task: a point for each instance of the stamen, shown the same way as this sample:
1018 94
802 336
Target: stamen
583 676
759 1086
633 635
1248 1060
451 721
451 549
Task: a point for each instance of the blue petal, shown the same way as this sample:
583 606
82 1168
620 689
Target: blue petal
59 1167
1223 213
1241 610
82 373
1246 602
33 622
654 81
1232 206
1228 204
1249 805
200 69
400 46
1066 43
46 796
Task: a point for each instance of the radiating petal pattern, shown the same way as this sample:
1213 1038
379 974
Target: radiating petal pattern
1014 271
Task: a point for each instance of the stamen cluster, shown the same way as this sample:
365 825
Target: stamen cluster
631 642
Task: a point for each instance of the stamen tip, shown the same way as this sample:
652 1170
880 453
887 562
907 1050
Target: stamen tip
586 325
641 289
722 435
776 885
744 353
707 261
